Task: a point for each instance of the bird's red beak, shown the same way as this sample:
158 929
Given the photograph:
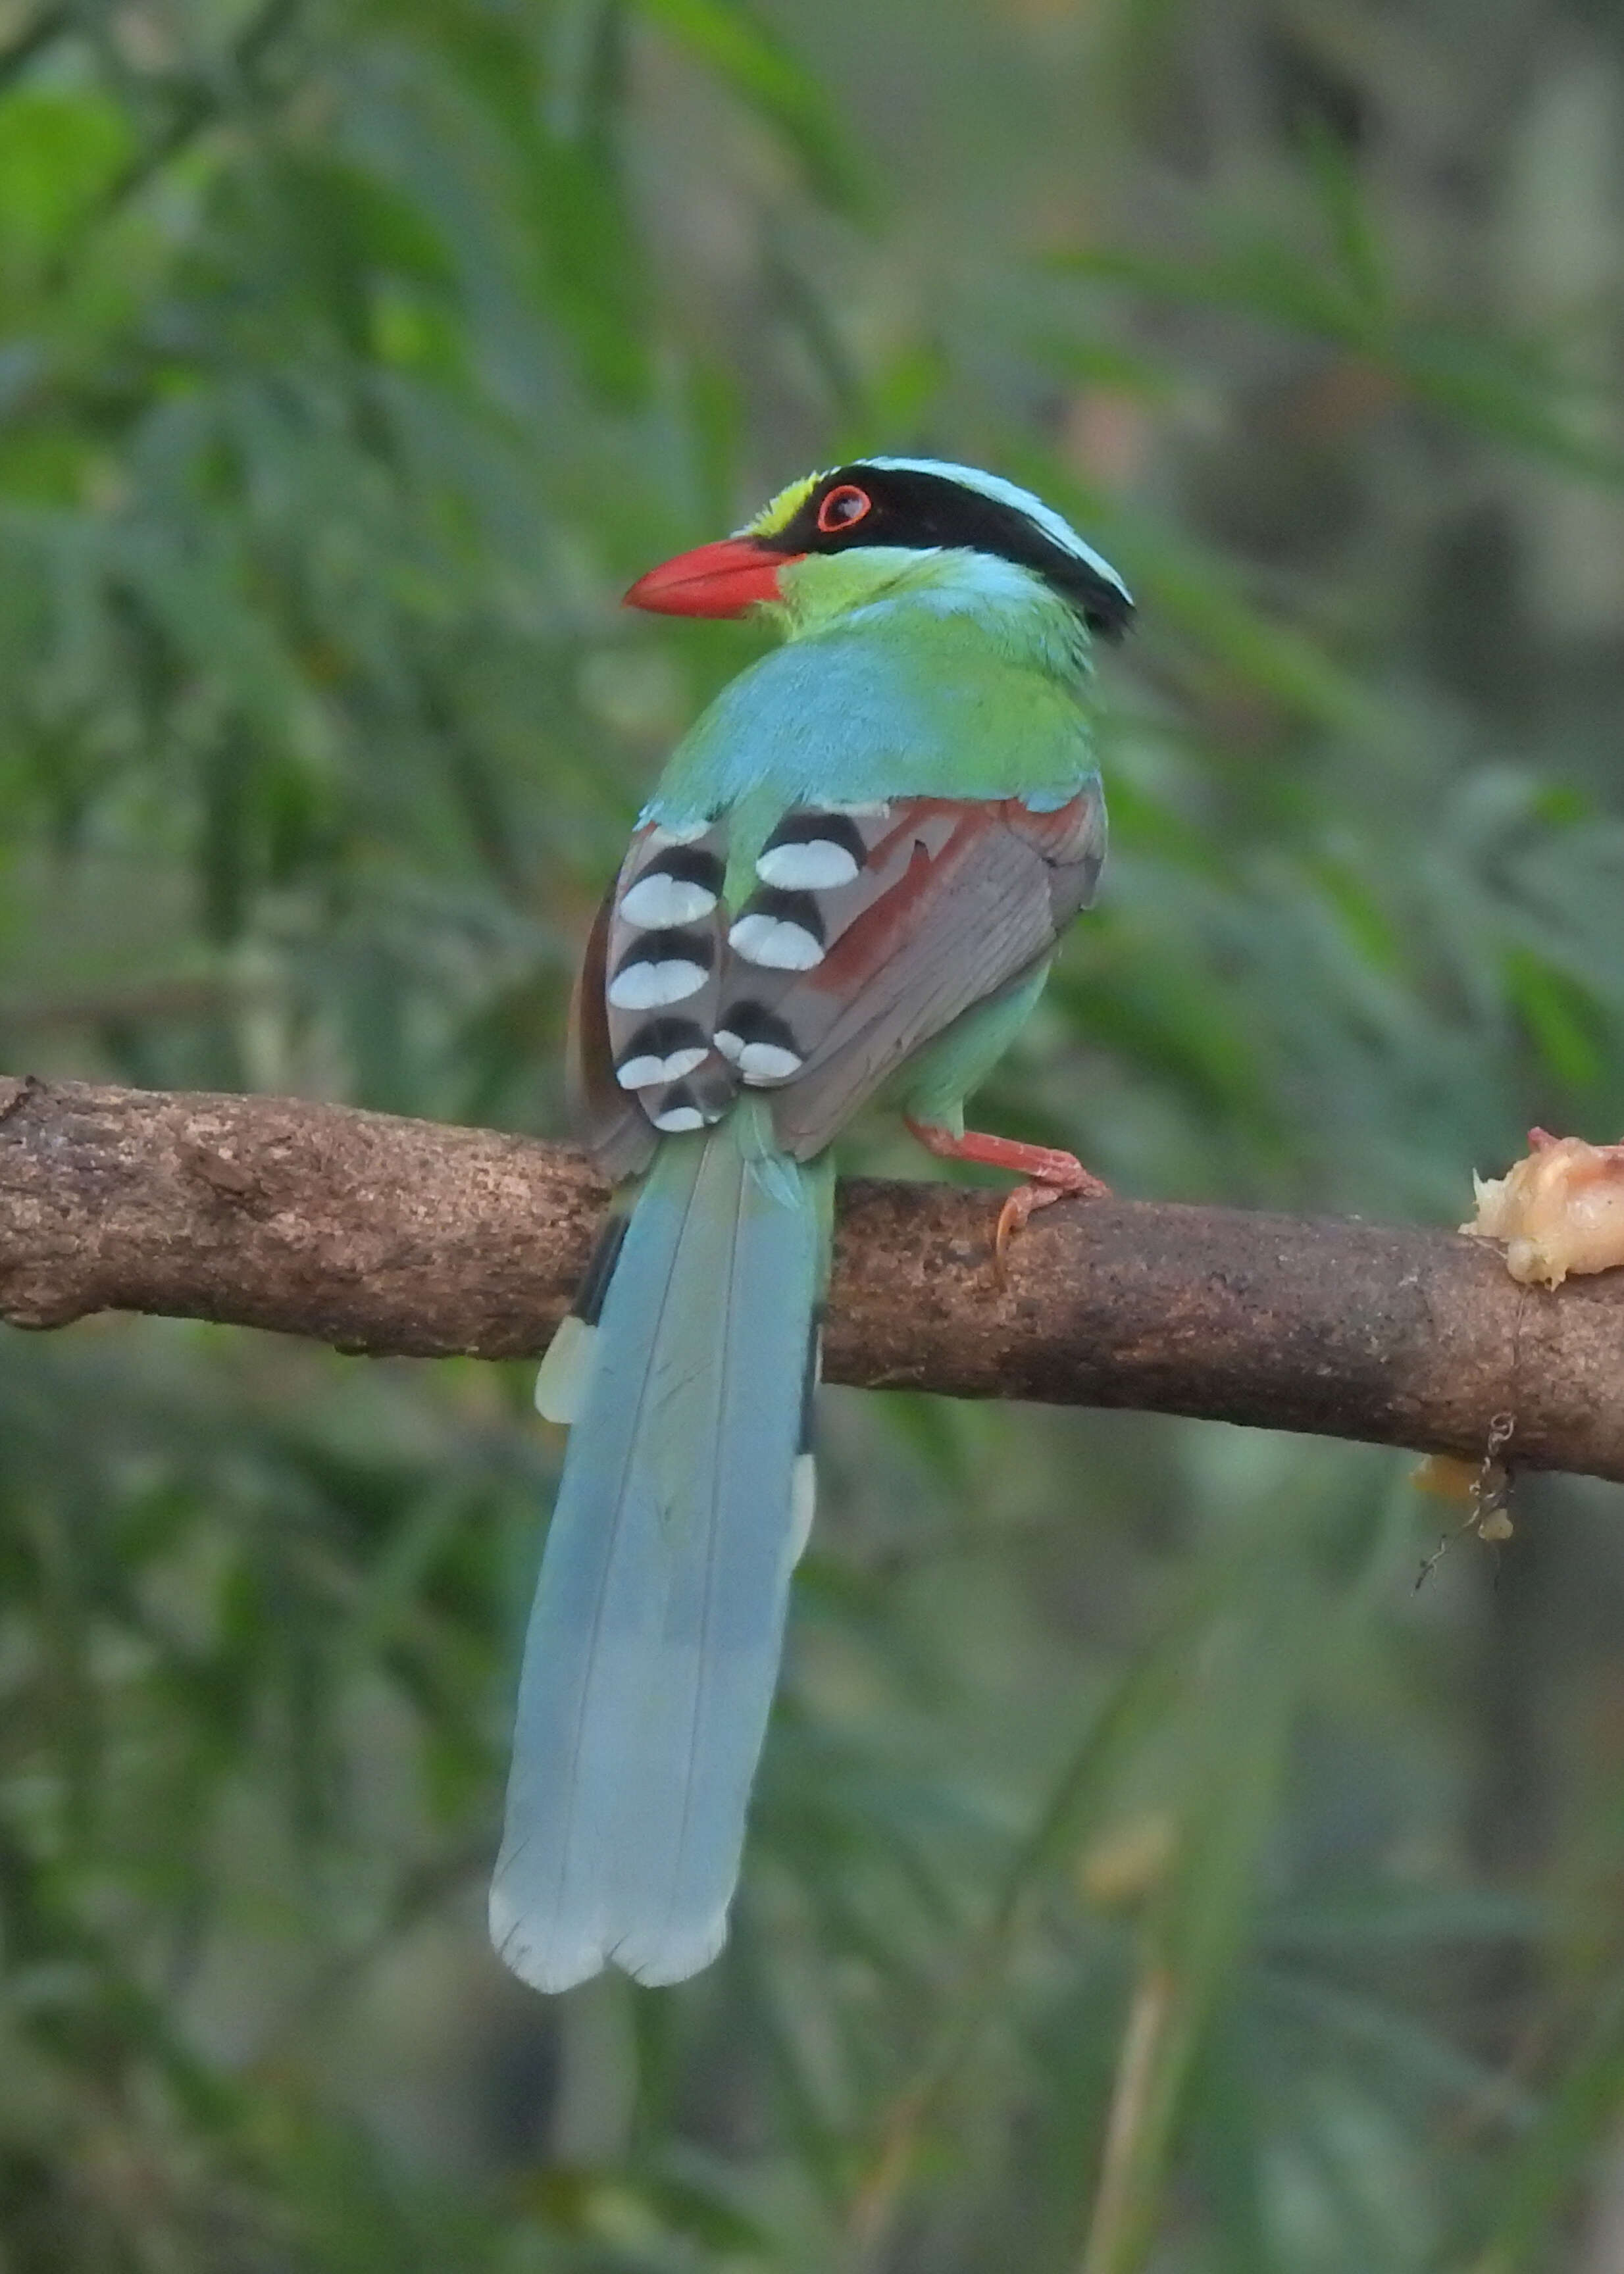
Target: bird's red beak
714 580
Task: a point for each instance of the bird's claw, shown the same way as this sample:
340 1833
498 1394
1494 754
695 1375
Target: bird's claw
1048 1174
1056 1177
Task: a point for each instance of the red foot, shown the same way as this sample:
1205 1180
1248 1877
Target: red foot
1051 1175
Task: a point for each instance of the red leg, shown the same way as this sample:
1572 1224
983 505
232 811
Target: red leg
1051 1174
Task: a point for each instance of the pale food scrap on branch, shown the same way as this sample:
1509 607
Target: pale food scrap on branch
1559 1210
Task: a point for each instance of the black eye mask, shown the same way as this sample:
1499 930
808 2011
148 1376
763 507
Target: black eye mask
908 508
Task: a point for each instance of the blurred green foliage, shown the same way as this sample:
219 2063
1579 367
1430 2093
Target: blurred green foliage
1144 1873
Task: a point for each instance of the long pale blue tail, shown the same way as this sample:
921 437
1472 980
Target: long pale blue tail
654 1643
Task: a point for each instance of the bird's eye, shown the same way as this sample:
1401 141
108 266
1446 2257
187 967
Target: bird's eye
843 508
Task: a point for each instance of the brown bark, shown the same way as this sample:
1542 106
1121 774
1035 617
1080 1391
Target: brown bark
381 1235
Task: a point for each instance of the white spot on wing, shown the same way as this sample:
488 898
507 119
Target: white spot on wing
644 1073
647 986
817 865
774 944
761 1063
677 1120
655 900
730 1045
676 832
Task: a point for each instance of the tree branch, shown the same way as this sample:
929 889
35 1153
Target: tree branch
381 1235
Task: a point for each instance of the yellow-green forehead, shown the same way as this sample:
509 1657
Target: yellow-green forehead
778 513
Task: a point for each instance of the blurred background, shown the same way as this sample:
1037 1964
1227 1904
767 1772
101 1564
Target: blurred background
354 355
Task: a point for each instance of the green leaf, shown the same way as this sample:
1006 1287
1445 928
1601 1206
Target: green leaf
732 41
1543 2175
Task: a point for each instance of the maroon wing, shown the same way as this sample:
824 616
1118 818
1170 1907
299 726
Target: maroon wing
870 931
946 901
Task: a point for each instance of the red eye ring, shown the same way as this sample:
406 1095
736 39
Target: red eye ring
843 508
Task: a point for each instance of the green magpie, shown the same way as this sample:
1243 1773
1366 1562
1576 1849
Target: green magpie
849 883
